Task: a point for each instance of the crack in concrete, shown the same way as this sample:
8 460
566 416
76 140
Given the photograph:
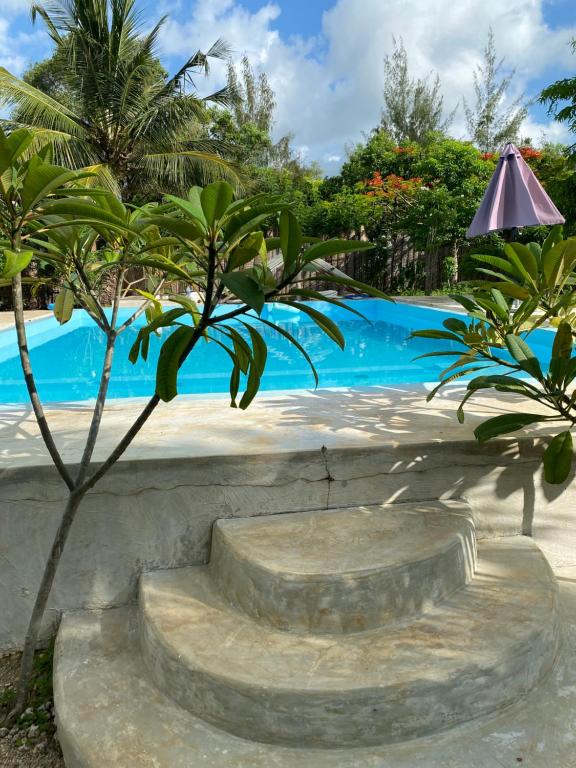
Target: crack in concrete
328 478
163 489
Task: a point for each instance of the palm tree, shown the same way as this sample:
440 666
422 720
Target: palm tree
124 115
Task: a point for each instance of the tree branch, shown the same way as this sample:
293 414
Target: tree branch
31 382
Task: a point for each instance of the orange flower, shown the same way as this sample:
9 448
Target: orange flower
529 153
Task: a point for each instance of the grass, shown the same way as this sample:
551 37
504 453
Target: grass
40 693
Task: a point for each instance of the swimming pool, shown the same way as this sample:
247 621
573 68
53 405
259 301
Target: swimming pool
67 359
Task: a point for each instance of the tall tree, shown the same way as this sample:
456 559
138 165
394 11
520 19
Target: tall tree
255 100
413 107
246 128
492 123
112 105
561 100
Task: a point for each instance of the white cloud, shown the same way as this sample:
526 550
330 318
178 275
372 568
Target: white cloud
18 49
9 57
16 6
329 89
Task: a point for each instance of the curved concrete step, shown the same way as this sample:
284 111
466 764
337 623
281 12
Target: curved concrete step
344 570
111 716
483 648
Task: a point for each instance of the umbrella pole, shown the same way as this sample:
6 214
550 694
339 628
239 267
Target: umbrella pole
511 235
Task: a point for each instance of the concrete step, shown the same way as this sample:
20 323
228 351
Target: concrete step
344 570
111 716
483 648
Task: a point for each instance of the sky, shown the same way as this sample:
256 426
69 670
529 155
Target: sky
324 58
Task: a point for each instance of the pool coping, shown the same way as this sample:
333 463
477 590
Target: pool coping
277 422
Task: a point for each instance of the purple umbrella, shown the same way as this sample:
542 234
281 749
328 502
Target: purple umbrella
514 198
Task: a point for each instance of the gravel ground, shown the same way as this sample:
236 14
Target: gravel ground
31 743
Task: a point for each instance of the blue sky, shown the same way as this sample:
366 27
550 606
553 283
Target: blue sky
324 57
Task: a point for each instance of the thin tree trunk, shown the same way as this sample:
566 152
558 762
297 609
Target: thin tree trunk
31 384
35 625
77 493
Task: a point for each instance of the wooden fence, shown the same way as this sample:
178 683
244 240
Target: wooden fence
401 269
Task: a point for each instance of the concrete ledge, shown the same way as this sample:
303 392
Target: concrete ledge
197 461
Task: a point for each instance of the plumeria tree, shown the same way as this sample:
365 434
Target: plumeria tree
209 241
530 286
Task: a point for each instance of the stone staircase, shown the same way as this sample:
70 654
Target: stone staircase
309 635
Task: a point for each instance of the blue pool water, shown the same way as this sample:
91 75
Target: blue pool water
67 359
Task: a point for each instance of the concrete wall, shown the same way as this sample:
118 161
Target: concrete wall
154 514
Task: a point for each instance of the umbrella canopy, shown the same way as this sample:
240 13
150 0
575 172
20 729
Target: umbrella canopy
514 198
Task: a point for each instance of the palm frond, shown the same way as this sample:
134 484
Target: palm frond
225 97
186 168
220 50
167 120
103 177
67 150
58 17
199 62
36 108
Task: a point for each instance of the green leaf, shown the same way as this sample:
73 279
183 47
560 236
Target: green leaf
64 305
460 411
257 365
497 261
507 287
215 199
245 288
81 209
558 458
161 263
557 260
14 263
191 207
465 301
248 220
40 181
324 323
432 394
155 303
436 334
290 240
189 304
169 362
526 257
242 349
309 294
455 325
187 229
562 346
501 303
13 146
508 422
160 321
523 355
497 380
296 343
249 248
554 236
234 385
